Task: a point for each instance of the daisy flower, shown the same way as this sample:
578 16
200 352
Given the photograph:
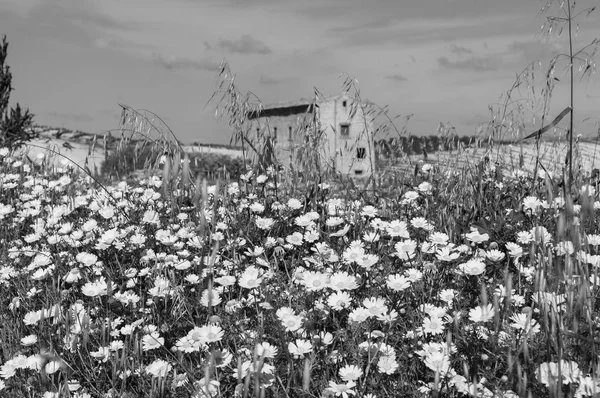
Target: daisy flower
350 373
482 313
398 282
433 325
339 300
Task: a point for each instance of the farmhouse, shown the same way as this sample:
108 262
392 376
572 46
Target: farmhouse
342 123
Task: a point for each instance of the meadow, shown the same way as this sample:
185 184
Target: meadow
475 272
479 281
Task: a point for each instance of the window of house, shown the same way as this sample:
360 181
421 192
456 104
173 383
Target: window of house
344 103
361 153
258 131
289 133
274 133
345 129
358 172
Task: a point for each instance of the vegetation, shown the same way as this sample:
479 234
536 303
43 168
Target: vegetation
14 122
482 280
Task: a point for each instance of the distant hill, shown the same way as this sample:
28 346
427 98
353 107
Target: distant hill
87 149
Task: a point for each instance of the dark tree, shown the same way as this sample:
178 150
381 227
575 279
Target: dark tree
14 122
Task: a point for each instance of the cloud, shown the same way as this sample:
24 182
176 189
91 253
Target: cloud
78 12
397 77
456 49
71 117
244 45
173 62
532 50
475 64
268 81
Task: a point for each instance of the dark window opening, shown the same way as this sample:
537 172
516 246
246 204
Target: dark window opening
275 133
344 103
358 172
361 153
290 133
344 129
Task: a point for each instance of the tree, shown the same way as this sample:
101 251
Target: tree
14 122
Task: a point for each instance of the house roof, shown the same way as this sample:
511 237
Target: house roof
288 104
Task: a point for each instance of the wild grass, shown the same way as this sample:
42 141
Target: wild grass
478 280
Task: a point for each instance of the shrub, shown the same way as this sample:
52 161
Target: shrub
14 123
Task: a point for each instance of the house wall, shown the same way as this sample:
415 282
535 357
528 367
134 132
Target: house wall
338 151
342 150
278 128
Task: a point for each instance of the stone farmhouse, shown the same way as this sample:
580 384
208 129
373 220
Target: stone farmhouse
346 132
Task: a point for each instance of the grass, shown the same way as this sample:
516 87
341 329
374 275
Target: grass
168 287
443 279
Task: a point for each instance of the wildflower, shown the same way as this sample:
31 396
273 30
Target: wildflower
433 325
367 261
524 237
475 237
398 282
29 340
531 204
564 248
350 373
314 281
52 367
210 297
588 386
152 341
413 275
295 239
541 235
514 250
342 389
472 267
387 365
264 223
353 253
438 362
292 322
250 279
375 306
425 187
339 300
159 368
494 255
371 237
342 281
294 204
445 254
369 211
482 313
397 228
257 207
410 196
102 354
439 238
525 323
359 315
266 350
300 348
162 287
548 372
405 250
87 259
447 295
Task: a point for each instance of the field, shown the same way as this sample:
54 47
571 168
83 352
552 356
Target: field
140 267
161 287
548 155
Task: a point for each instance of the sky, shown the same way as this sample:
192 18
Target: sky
74 61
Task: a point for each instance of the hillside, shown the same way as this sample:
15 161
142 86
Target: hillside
86 149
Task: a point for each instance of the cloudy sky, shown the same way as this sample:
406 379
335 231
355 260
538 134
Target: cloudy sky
74 61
